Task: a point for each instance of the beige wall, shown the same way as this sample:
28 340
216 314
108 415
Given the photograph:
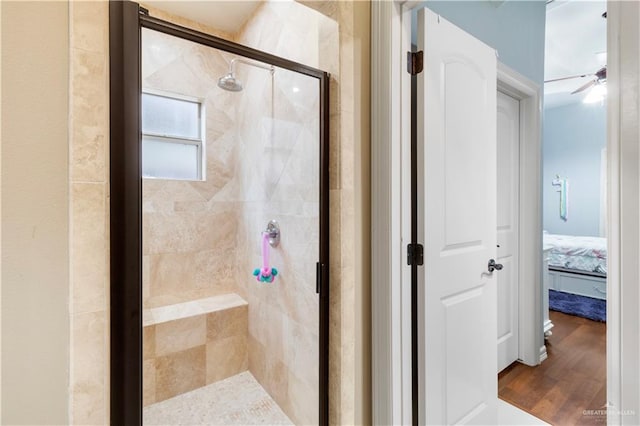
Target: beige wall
35 242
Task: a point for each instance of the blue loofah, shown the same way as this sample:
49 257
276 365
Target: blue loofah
265 278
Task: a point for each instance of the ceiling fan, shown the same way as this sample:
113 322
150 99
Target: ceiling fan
599 77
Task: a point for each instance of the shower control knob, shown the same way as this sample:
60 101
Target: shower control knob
493 266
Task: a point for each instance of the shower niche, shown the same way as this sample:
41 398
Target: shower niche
233 155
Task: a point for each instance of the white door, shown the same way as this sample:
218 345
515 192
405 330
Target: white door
508 183
457 225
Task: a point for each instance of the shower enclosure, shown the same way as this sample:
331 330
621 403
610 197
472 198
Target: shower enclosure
219 224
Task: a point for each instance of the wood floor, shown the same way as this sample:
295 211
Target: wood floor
571 380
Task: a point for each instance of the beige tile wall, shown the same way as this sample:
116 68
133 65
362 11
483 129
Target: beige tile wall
190 227
89 209
350 312
279 134
349 396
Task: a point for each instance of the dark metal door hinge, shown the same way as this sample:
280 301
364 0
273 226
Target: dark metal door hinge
144 11
414 62
415 254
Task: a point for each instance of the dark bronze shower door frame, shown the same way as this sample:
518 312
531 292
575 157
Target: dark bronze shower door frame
126 19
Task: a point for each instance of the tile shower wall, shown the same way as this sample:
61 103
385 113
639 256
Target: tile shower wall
190 227
278 122
343 51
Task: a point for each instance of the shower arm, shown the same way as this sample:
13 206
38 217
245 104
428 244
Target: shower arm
232 65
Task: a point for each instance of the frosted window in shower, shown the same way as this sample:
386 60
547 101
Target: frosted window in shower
169 160
163 115
172 142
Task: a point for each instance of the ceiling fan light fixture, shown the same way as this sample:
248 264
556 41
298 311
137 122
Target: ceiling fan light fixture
597 94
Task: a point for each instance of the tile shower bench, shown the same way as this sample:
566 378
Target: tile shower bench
192 344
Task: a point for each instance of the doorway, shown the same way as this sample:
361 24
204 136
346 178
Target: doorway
519 154
214 331
508 175
574 212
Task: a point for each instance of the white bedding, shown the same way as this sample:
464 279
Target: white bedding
587 254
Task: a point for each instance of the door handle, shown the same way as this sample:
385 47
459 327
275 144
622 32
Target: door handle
493 266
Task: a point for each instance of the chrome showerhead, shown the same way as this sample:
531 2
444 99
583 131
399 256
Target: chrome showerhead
230 82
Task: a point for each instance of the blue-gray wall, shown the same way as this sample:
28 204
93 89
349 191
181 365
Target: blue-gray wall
514 28
574 136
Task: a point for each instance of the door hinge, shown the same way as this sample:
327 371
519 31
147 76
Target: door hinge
415 254
144 11
414 62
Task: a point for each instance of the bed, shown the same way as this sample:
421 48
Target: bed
577 265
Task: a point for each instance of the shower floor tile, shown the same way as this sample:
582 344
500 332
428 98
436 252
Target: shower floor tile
238 400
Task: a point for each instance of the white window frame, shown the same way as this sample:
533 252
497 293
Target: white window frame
198 142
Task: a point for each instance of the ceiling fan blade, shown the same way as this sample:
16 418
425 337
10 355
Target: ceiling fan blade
566 78
584 87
